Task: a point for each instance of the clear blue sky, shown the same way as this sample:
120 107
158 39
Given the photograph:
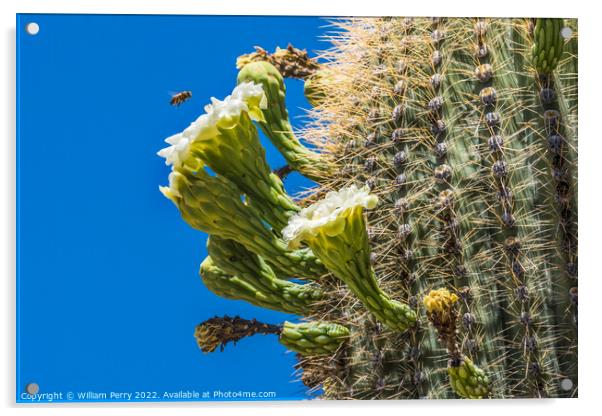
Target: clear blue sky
108 285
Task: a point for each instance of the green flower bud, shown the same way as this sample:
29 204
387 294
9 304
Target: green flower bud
313 338
468 380
548 44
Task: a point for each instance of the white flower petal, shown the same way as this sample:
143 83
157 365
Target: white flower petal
171 191
175 153
174 139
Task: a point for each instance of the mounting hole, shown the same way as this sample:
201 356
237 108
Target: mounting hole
32 28
32 388
566 384
566 32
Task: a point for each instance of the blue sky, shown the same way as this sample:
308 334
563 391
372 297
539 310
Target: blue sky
108 285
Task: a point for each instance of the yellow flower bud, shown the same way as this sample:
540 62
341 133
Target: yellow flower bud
439 300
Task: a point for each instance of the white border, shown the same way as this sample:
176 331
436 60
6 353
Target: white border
509 8
590 185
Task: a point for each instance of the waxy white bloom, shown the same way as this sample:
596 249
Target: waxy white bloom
176 153
247 96
247 91
324 213
171 191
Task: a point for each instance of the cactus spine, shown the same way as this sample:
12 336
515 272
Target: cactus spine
439 252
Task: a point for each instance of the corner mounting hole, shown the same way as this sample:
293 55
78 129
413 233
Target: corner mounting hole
566 384
32 28
32 388
566 32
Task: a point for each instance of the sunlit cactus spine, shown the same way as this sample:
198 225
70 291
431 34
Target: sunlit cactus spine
437 257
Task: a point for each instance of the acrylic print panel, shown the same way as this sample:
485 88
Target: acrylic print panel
385 210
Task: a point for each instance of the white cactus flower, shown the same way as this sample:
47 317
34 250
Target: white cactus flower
246 97
326 214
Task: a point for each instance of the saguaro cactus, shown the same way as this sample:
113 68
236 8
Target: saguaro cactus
438 256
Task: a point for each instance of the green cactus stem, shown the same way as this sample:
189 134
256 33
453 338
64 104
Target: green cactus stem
276 125
467 379
237 273
526 240
213 205
313 338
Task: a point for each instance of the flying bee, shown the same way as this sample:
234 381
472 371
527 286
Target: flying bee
180 97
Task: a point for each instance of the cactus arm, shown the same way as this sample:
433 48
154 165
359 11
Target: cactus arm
276 123
258 286
528 266
550 132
